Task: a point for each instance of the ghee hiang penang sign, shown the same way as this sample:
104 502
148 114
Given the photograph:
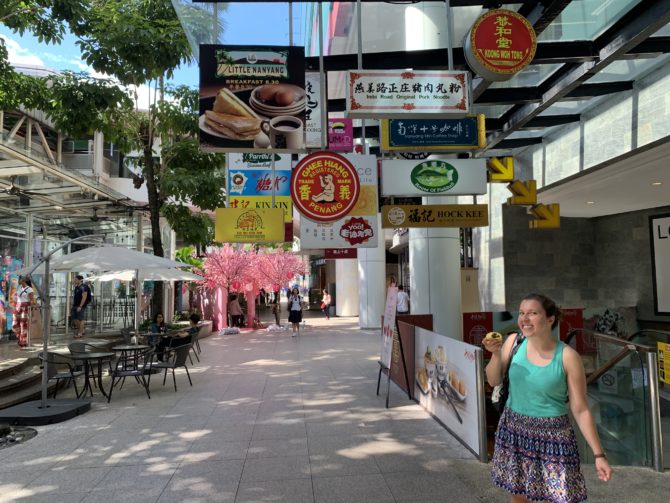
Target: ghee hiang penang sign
500 44
434 177
433 135
336 195
397 93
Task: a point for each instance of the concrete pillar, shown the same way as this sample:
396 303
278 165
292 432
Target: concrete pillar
98 153
346 287
434 256
372 282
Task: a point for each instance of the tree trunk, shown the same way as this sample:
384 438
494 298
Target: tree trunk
155 203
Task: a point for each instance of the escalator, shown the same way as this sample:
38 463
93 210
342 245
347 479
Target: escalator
630 405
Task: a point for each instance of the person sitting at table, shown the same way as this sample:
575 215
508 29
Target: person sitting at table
157 328
179 338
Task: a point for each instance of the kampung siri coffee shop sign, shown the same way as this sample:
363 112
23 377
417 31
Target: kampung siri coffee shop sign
396 93
434 177
433 135
249 225
500 44
435 215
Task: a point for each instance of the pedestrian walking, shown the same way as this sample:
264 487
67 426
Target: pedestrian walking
82 298
295 311
325 304
24 299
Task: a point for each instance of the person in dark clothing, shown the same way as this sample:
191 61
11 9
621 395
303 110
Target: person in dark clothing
179 338
82 297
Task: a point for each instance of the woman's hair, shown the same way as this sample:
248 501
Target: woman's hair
156 317
549 306
26 279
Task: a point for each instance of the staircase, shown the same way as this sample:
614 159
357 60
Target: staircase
21 381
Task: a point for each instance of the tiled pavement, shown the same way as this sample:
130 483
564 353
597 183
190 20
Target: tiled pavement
269 418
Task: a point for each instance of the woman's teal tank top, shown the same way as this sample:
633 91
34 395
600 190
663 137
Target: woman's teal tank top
538 391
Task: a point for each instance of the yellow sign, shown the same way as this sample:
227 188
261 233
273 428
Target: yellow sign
435 215
263 203
501 169
249 225
548 216
664 362
525 193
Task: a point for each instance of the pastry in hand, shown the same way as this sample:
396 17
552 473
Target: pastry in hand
493 336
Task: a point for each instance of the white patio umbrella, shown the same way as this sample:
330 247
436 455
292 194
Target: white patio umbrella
158 274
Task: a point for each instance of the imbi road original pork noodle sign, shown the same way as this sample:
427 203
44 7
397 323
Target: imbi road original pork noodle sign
324 186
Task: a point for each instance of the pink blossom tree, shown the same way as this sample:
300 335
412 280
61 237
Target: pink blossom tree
227 269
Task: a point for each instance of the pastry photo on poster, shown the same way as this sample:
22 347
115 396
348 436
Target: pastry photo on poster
252 98
446 383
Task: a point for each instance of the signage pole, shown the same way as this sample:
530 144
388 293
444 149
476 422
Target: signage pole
322 83
450 31
290 23
274 179
359 27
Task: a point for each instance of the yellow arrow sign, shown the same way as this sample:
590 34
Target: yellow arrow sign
525 193
548 216
501 170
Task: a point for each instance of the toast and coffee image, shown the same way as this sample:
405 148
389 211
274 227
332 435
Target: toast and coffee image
233 118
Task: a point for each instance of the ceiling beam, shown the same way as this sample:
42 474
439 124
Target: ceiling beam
644 20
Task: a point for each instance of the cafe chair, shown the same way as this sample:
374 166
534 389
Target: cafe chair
84 347
176 359
60 368
130 365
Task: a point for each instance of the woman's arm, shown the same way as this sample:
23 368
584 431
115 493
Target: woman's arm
579 407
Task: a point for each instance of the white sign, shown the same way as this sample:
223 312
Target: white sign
389 325
378 94
254 161
360 227
434 177
660 249
446 384
313 110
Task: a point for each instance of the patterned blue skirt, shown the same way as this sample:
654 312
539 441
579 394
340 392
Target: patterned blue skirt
538 458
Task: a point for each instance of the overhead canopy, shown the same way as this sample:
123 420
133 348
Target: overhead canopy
149 275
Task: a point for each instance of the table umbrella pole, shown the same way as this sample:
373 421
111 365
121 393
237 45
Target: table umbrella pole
138 291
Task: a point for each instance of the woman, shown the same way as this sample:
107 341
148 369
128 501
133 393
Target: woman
157 328
295 311
536 456
178 338
325 304
235 311
24 299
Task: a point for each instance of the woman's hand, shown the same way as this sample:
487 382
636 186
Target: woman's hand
492 345
603 469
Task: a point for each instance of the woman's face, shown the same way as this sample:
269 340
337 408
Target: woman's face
159 318
295 291
533 319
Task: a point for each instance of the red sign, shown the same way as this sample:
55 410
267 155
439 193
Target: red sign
475 328
500 44
335 253
325 186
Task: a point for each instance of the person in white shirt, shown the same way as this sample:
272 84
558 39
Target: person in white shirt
295 311
402 305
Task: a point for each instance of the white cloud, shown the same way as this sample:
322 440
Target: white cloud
19 55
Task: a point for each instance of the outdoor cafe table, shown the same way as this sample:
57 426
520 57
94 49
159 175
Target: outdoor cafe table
90 358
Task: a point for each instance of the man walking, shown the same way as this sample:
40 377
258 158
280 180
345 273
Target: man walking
82 297
402 305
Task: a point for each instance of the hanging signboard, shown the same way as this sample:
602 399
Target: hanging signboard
434 177
250 182
252 98
379 94
500 44
340 135
313 110
659 227
433 135
244 225
435 215
359 227
335 253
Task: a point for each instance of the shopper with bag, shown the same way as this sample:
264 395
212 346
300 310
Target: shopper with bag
536 455
325 304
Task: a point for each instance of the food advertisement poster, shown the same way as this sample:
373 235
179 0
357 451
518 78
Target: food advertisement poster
250 182
249 225
329 218
434 177
388 328
433 135
340 135
435 215
375 94
446 384
659 226
252 98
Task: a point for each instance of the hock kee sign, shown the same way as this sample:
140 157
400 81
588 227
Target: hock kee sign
500 44
435 215
395 93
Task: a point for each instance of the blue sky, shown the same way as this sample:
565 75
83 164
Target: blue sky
246 23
